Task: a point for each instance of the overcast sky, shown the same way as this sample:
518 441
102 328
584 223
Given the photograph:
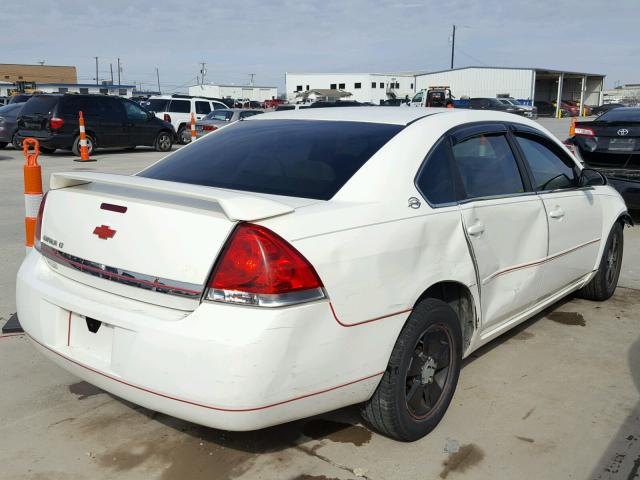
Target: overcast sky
271 37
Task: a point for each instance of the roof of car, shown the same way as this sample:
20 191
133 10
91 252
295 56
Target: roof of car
390 115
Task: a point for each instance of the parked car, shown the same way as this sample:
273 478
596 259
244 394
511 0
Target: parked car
529 111
567 109
177 109
337 103
605 108
547 109
110 122
299 262
292 106
611 139
576 108
493 104
9 123
220 118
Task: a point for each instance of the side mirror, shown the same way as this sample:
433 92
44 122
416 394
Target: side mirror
590 177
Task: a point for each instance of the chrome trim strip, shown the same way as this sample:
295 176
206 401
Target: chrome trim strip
126 277
265 300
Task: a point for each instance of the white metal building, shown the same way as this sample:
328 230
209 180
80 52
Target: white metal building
243 92
524 84
5 87
364 87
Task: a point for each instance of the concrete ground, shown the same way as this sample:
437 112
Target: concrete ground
556 398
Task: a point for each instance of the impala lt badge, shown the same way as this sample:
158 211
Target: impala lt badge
104 232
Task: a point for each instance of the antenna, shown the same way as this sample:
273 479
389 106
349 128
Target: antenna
203 72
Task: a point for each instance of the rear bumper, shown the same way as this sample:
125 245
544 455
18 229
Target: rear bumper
48 141
229 367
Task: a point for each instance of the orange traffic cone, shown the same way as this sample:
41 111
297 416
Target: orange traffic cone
193 127
84 149
572 128
32 189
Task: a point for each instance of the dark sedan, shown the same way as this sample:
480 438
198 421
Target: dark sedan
494 104
9 122
613 139
605 108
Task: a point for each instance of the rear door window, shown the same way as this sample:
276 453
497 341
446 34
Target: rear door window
487 166
298 158
157 105
89 106
203 107
551 169
180 106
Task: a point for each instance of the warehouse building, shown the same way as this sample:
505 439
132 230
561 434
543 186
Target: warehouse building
243 92
14 72
363 87
523 84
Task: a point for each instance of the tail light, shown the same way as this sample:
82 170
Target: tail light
209 128
167 117
56 123
38 230
584 132
258 267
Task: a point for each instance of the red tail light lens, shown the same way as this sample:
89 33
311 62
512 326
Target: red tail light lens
209 128
258 267
56 123
167 117
38 230
584 132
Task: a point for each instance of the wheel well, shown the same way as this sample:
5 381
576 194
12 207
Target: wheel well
458 297
625 218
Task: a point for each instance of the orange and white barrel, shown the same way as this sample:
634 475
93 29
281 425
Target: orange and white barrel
193 127
32 189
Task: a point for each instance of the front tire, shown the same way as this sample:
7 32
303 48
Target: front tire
603 285
163 142
421 378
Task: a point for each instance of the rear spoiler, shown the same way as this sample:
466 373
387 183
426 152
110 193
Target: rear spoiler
237 206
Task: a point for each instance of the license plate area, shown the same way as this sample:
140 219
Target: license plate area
622 144
90 337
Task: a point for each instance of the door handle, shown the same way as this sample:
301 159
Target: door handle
557 212
476 229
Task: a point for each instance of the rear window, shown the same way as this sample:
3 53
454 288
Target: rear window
156 105
40 105
621 115
297 158
222 115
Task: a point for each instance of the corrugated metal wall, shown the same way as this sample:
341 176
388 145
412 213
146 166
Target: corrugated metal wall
481 82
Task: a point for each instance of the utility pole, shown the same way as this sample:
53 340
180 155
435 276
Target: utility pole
119 70
203 72
158 77
97 82
251 75
453 44
111 68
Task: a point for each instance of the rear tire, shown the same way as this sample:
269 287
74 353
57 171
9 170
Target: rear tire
16 142
184 135
603 285
76 145
163 142
422 374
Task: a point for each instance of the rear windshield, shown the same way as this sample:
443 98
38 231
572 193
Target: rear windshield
297 158
621 114
40 105
156 105
221 115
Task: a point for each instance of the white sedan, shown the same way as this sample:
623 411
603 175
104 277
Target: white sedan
299 262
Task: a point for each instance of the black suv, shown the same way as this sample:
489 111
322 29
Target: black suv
109 122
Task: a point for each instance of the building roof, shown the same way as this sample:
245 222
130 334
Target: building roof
536 69
399 74
230 85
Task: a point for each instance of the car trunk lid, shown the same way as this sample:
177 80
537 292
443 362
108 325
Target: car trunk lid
151 240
